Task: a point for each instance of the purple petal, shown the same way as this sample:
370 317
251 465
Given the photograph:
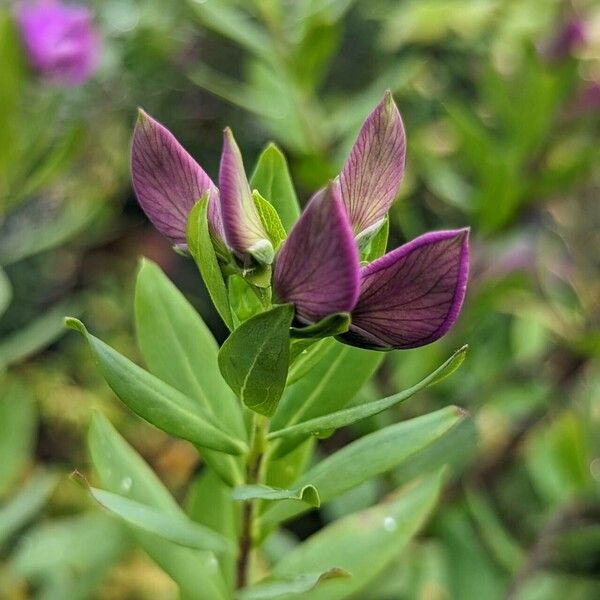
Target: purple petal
244 230
413 295
60 40
317 268
168 181
372 174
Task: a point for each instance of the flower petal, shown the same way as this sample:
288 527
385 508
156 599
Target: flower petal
244 230
372 174
317 268
168 181
413 295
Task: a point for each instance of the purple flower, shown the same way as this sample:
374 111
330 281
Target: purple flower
244 231
168 181
317 268
372 174
60 40
413 295
570 36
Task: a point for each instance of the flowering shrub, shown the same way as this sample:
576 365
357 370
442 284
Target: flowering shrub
286 284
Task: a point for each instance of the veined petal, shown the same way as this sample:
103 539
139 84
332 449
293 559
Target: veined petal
243 228
413 295
372 174
317 268
168 181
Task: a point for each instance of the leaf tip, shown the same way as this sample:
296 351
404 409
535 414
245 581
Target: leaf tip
75 324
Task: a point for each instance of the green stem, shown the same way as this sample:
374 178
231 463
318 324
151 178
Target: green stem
254 474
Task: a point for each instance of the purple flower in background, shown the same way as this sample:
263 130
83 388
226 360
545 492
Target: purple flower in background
372 174
570 36
60 40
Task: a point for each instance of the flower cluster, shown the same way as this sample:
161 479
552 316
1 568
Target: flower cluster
60 40
407 298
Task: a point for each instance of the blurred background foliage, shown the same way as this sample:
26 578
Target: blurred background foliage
502 110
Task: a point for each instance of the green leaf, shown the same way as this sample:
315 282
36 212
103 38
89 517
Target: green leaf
69 554
255 357
307 358
307 494
209 503
36 335
155 401
270 220
272 179
203 251
18 415
301 584
328 387
378 244
330 325
368 457
179 349
175 528
26 503
243 299
364 543
343 418
122 471
5 292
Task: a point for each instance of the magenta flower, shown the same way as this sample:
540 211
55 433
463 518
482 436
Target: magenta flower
408 298
168 181
60 40
372 174
317 268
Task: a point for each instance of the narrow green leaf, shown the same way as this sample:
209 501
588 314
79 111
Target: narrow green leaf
122 471
155 401
272 179
301 584
179 349
18 415
175 528
5 292
36 335
343 418
203 251
26 503
209 503
368 457
330 325
254 359
270 220
307 494
329 386
378 244
307 358
379 533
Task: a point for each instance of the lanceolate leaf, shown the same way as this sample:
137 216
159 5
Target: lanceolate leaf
328 387
364 544
272 179
343 418
156 401
307 494
329 326
270 219
254 359
122 471
285 588
202 249
179 349
369 457
174 528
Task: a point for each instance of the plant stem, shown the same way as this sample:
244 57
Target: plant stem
253 475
